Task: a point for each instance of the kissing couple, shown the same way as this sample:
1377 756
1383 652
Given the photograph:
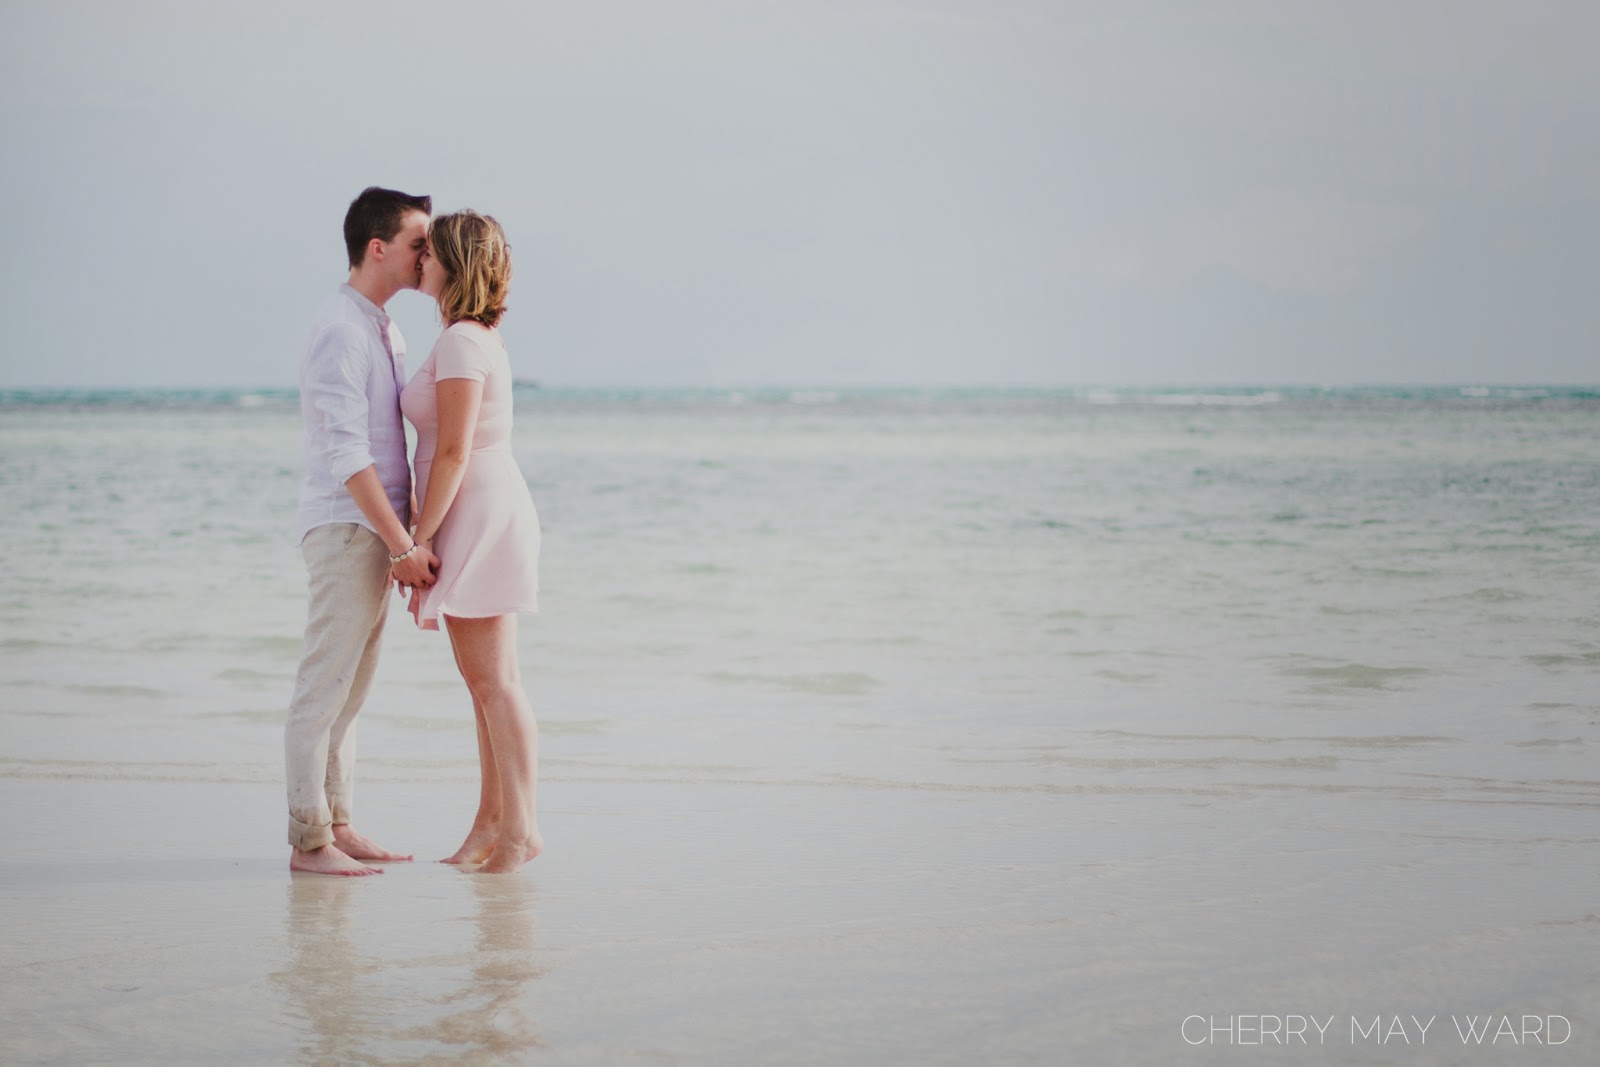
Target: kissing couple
461 538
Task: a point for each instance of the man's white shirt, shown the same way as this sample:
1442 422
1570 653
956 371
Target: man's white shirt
350 408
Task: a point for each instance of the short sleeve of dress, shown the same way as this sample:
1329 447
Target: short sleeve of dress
460 356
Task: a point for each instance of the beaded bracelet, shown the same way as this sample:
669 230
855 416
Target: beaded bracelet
404 555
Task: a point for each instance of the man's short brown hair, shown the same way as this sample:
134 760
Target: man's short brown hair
378 213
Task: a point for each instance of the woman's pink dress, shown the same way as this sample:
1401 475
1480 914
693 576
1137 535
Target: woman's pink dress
488 544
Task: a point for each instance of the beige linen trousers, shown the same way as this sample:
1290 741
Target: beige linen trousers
347 568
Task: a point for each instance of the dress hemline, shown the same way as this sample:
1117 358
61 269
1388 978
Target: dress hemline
431 621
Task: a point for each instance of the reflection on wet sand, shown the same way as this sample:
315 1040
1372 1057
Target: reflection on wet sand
324 982
492 1016
427 990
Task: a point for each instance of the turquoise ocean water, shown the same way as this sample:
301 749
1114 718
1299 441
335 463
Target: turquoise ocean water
1055 571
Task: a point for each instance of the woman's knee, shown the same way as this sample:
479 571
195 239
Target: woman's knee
492 687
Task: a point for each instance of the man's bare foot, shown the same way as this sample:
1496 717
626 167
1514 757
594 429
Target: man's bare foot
508 856
328 860
362 848
477 846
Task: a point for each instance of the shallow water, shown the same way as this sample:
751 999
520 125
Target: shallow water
1217 696
1342 589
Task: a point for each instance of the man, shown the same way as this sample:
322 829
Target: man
355 510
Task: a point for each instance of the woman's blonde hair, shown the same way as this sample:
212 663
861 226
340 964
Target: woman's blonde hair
476 259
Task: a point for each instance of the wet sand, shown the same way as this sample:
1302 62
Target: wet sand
155 922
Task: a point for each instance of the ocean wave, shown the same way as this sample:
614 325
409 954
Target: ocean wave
142 692
1355 675
845 683
1349 740
905 399
1566 659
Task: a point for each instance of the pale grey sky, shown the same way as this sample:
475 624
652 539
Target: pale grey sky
820 191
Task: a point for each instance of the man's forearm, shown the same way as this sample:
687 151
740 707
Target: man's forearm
367 490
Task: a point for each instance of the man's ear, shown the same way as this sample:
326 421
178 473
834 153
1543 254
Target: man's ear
375 249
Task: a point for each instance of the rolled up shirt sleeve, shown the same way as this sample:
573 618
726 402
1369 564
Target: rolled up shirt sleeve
336 384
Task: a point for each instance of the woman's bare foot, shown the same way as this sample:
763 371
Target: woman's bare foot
477 846
358 847
509 856
328 860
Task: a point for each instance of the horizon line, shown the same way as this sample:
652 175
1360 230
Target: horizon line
530 383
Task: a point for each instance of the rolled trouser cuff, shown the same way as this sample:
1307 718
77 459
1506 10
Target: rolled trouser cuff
306 836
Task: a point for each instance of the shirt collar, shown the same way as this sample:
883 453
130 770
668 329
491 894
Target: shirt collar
372 310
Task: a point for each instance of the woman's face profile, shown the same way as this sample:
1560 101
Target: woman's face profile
433 276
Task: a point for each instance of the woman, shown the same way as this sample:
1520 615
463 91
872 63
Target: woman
477 517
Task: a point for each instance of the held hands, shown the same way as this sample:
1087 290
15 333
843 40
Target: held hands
417 569
414 604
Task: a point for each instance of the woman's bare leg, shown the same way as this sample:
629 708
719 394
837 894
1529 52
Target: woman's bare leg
486 652
486 823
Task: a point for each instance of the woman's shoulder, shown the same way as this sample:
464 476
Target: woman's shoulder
469 350
479 340
468 337
475 332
